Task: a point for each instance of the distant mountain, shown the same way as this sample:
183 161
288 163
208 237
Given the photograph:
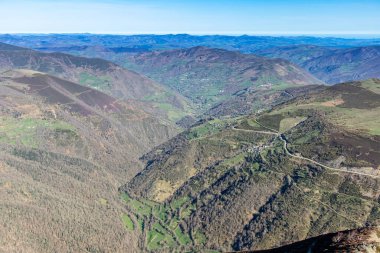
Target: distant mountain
112 45
332 65
307 167
365 240
208 76
99 74
64 150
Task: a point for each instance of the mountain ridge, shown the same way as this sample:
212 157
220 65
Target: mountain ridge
210 75
332 65
100 74
296 166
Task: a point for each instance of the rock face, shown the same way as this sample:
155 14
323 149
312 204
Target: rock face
332 65
364 240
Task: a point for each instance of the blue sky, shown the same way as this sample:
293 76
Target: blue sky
191 16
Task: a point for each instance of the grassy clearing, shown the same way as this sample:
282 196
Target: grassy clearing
234 160
183 239
177 203
128 223
159 237
161 213
367 120
154 240
271 121
24 130
363 120
200 238
289 123
186 212
162 101
97 82
250 124
139 207
165 231
103 202
209 128
371 85
173 113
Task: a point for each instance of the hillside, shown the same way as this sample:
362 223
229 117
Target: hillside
251 100
307 167
99 74
359 240
208 76
332 65
65 150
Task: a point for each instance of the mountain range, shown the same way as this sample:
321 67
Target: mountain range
180 143
208 76
332 65
306 167
150 42
67 146
100 74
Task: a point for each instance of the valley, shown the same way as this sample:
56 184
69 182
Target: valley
219 189
180 143
65 150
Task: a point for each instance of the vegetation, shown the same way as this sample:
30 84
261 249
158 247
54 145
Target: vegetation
227 183
64 151
219 75
128 223
246 180
98 82
164 232
24 130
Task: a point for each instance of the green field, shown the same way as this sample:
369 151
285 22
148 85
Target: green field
24 130
98 82
128 223
165 232
207 129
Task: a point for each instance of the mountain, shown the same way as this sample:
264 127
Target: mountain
306 167
358 240
250 100
99 74
110 46
64 151
332 65
208 76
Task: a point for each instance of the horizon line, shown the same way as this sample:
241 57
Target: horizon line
263 34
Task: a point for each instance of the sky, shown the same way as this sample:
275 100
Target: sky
234 17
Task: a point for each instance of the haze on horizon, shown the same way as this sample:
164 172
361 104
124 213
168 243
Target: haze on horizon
270 17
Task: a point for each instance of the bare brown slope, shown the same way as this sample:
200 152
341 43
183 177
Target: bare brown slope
77 98
96 73
64 151
73 101
364 240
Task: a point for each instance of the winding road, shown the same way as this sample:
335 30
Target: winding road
282 137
